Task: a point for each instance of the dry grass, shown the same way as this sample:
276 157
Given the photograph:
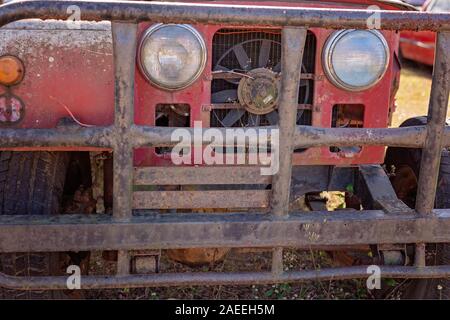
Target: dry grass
414 93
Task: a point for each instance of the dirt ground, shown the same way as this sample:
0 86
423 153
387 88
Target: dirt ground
412 99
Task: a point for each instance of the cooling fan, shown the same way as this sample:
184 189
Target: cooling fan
253 87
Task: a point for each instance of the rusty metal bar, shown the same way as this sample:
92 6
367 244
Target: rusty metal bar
124 45
201 199
431 153
437 113
277 261
413 137
124 42
293 44
226 75
379 187
143 136
196 230
216 278
235 15
63 136
200 175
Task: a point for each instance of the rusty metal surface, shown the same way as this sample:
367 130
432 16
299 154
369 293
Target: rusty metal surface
124 44
201 199
431 153
213 278
122 231
293 44
292 48
140 136
437 112
235 15
197 230
380 190
199 175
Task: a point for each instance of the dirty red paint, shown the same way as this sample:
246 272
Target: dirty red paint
81 79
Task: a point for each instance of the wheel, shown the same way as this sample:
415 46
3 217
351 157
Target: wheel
31 183
407 166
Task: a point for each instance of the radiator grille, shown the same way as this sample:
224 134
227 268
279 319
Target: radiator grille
251 40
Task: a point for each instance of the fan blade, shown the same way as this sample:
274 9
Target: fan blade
264 53
224 96
232 117
241 55
253 120
272 117
218 67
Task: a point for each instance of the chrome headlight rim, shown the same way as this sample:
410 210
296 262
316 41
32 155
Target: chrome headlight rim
153 29
328 65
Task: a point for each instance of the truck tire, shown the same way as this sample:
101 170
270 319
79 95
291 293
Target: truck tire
436 254
31 183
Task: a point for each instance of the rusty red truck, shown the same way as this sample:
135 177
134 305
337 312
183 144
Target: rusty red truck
127 108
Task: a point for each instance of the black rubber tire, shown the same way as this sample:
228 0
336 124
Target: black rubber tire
407 156
436 254
31 183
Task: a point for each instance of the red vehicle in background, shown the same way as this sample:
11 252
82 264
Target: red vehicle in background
419 46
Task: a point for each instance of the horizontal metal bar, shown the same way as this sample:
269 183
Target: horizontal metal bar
226 106
200 175
307 136
412 137
145 136
197 230
236 15
216 278
201 199
227 75
63 136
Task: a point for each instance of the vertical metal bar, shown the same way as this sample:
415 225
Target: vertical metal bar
277 261
124 44
293 44
123 262
420 255
431 154
437 112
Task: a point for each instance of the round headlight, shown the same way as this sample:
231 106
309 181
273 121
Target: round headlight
355 60
172 56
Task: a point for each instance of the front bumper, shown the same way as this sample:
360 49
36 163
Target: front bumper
124 231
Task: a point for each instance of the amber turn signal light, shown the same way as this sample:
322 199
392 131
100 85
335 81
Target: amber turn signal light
11 70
